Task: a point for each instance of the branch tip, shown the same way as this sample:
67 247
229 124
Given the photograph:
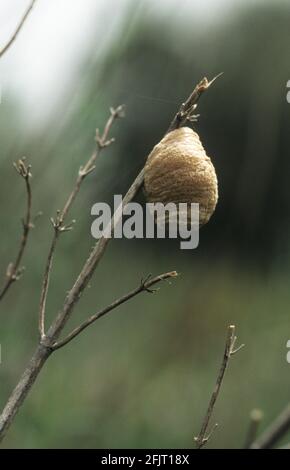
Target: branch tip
14 271
209 83
186 113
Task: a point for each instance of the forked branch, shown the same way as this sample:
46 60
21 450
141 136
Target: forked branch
98 250
145 286
49 341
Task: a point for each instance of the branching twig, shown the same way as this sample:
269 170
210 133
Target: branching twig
58 224
45 347
43 352
230 350
14 270
145 286
18 29
274 432
187 109
256 417
99 249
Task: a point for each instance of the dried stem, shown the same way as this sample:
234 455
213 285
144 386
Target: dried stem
203 437
274 432
58 224
145 286
18 29
14 270
45 285
43 352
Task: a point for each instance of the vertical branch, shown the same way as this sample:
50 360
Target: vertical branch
14 270
203 435
45 285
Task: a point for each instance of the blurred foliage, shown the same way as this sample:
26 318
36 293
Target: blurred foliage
142 377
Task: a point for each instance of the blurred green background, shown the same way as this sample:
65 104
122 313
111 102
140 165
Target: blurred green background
142 376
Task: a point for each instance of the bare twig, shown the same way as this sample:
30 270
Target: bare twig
187 109
230 350
256 417
14 270
45 347
45 285
145 286
274 432
18 29
58 224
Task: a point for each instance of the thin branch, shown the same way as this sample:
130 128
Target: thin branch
145 286
45 286
18 29
102 142
230 350
187 109
274 432
14 270
256 417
